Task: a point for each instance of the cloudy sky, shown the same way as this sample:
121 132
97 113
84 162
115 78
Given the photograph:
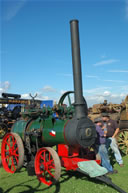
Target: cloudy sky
35 48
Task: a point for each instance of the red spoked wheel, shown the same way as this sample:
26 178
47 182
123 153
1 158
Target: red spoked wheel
47 166
12 152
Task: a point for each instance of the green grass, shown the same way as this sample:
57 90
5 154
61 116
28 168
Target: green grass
70 182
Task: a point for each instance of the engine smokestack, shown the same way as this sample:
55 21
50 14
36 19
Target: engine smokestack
80 105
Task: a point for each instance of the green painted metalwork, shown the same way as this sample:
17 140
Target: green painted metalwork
48 127
19 127
35 125
57 129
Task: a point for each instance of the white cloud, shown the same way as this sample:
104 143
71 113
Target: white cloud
98 78
11 8
48 88
122 95
104 62
120 71
42 97
96 90
4 86
62 92
114 98
91 76
25 96
42 94
38 97
118 81
106 93
67 75
103 56
124 88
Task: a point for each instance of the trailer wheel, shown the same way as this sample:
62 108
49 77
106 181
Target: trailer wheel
3 130
47 166
12 152
122 140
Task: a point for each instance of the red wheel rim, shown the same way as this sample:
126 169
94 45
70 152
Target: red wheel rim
9 153
44 166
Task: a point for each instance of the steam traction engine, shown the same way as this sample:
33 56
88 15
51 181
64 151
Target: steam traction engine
66 128
8 115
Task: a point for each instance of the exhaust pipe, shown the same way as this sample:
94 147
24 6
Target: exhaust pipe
80 104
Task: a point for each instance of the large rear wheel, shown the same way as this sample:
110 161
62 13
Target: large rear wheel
12 152
47 166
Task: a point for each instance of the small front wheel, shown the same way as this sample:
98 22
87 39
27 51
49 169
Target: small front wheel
47 166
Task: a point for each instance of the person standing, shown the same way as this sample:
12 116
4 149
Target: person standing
101 146
112 130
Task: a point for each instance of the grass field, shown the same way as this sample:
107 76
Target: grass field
70 182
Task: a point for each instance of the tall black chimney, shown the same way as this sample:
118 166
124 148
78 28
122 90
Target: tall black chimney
76 61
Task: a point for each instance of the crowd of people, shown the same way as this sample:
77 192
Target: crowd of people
107 130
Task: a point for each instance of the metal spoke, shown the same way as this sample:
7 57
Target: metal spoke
9 141
123 134
14 144
123 147
7 157
16 149
16 159
50 162
50 173
13 163
7 145
16 154
121 143
8 160
53 167
42 157
120 139
6 150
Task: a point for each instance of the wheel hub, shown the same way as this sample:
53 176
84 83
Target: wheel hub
11 152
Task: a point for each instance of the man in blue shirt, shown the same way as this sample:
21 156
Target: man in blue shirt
112 130
101 146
